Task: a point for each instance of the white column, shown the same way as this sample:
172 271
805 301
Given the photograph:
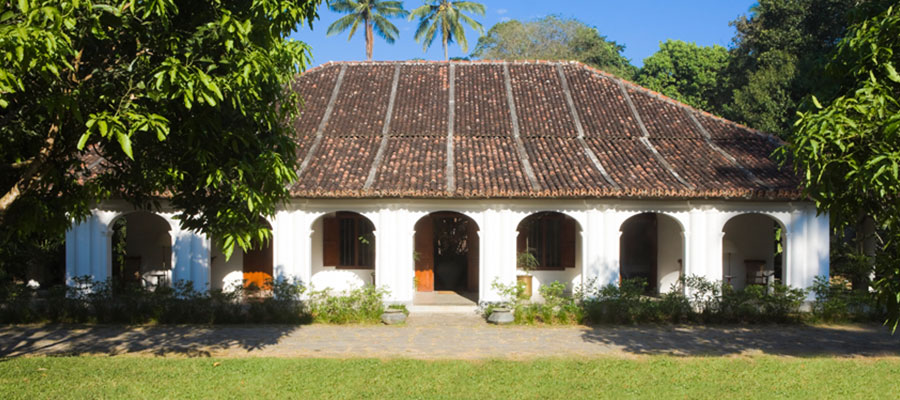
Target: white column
70 255
83 248
200 261
498 250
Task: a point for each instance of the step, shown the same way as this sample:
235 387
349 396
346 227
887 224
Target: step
470 309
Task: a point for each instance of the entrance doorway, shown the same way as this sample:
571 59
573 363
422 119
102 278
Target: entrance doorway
446 254
257 264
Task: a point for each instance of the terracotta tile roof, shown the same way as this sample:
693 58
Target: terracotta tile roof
518 130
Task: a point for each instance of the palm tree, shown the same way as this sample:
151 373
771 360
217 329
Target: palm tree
373 14
447 16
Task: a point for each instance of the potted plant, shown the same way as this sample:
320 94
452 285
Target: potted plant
526 261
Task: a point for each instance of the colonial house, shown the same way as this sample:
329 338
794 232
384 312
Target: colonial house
424 177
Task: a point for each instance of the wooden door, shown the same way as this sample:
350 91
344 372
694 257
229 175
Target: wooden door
424 253
258 265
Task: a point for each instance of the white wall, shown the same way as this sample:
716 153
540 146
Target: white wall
297 240
669 251
226 274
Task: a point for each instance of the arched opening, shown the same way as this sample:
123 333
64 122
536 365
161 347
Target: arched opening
141 250
547 246
652 249
343 251
446 259
257 262
752 251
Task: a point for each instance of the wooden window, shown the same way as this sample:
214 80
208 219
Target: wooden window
551 238
348 242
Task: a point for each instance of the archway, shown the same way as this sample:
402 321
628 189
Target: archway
257 264
549 241
752 251
141 249
446 255
652 249
343 251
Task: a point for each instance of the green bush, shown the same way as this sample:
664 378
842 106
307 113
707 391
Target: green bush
836 301
88 301
692 300
362 305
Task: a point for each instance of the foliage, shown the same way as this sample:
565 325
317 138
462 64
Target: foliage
779 53
446 17
374 14
836 301
88 301
137 100
847 150
361 305
553 38
526 261
686 72
705 302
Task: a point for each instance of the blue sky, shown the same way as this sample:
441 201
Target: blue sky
638 24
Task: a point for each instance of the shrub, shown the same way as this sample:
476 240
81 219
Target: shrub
362 305
557 308
836 301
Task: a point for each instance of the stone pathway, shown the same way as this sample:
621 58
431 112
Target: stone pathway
446 336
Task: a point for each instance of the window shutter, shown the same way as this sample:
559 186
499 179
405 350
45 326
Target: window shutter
331 241
567 243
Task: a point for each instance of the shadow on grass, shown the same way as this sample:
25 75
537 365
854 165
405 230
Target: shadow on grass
790 340
191 341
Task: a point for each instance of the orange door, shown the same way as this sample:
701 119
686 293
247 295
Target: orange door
424 253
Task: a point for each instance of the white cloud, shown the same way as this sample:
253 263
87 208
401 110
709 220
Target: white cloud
502 11
504 19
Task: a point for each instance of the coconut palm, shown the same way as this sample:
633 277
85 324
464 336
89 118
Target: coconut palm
447 16
373 14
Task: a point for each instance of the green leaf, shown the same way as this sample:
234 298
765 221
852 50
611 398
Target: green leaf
125 142
816 102
892 73
82 141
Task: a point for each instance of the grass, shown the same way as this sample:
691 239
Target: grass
642 377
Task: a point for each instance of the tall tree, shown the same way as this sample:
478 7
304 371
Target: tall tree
373 14
144 101
686 72
553 38
447 17
848 149
779 53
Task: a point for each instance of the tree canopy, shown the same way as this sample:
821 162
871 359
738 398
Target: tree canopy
553 38
446 17
143 101
686 72
374 15
847 149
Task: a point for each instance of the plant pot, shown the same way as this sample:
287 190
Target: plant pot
501 316
393 316
526 279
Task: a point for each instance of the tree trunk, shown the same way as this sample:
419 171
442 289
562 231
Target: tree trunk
446 57
369 40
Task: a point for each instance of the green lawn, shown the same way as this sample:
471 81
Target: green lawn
644 377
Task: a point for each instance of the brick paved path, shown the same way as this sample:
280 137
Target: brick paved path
443 336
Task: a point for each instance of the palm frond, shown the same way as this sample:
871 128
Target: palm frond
353 28
429 36
469 6
385 28
343 6
342 24
391 9
472 23
423 12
